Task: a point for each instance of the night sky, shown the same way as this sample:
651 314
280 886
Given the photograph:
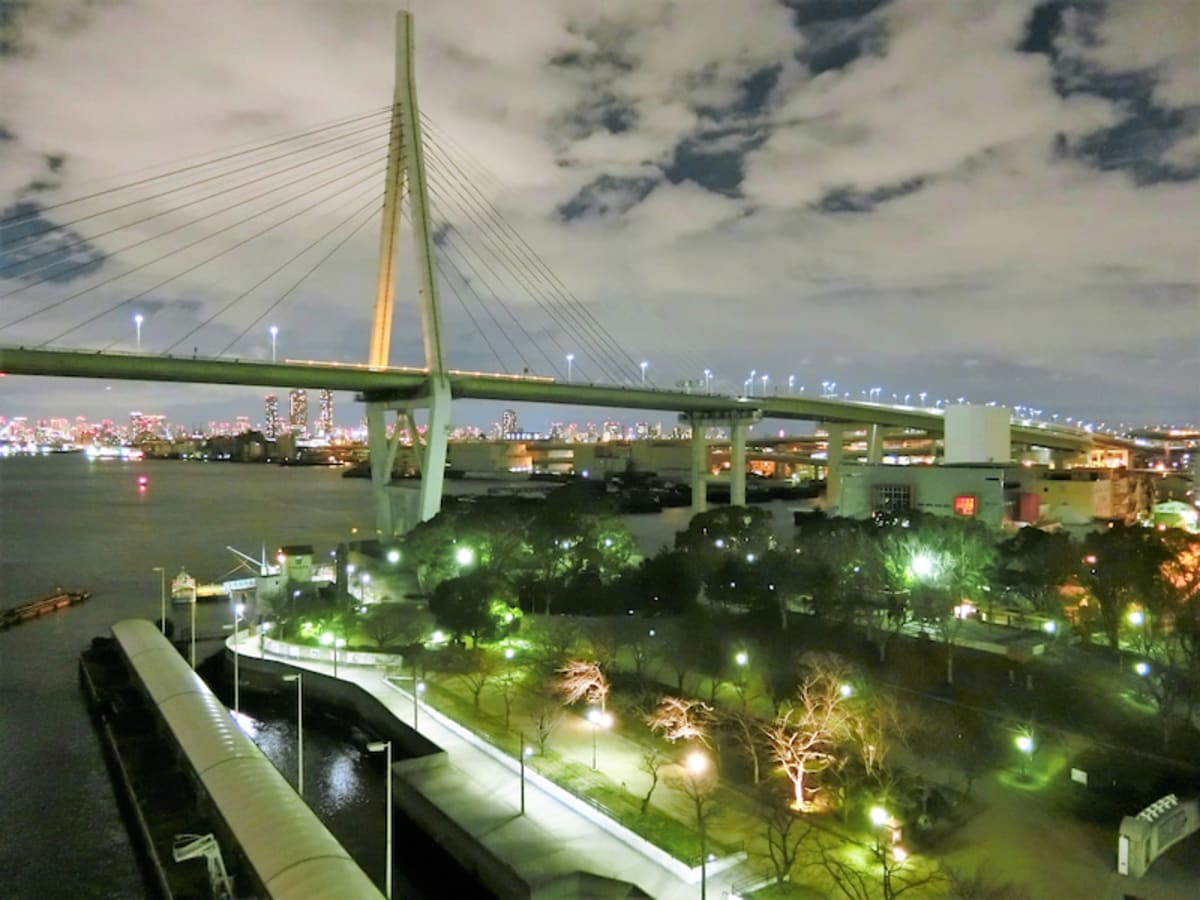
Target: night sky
996 200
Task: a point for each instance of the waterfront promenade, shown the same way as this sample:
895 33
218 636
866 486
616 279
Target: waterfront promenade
479 789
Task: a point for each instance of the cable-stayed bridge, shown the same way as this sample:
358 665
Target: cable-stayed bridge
258 229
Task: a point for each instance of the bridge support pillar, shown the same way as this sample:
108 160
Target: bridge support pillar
835 450
699 469
737 463
433 460
736 421
874 444
382 459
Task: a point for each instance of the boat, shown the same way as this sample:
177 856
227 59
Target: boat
58 600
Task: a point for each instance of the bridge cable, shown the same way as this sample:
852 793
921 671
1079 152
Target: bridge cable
206 260
579 310
530 252
372 207
12 220
514 277
376 195
175 250
88 262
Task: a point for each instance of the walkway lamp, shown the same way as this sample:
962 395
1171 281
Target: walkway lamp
570 365
464 556
238 610
137 323
193 635
418 690
526 752
643 365
1024 744
765 379
791 383
599 720
696 766
708 381
386 747
162 598
742 658
298 677
274 335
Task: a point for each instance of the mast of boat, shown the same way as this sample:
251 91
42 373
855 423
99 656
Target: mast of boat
259 564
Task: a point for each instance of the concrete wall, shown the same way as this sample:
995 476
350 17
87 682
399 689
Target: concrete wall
977 434
932 488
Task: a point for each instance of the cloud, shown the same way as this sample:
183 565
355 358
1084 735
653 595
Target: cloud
863 191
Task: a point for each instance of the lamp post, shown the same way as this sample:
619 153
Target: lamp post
765 379
708 381
418 690
137 323
749 385
193 635
791 383
238 610
1025 746
298 677
386 747
162 598
696 765
274 335
644 364
570 364
599 720
526 751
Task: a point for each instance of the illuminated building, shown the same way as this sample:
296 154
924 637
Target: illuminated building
325 414
271 425
298 411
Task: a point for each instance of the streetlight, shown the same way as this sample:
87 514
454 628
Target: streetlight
1024 744
238 609
707 381
464 556
137 323
599 720
697 765
162 597
274 335
329 639
570 364
418 690
765 379
193 635
742 658
644 364
386 747
791 383
393 556
298 677
750 383
526 751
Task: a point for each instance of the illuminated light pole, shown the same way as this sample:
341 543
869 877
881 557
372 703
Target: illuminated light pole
708 381
418 690
742 658
570 365
599 720
137 323
526 752
749 383
464 556
238 610
765 379
643 365
162 598
1024 744
299 679
193 635
696 766
274 335
386 747
393 556
791 383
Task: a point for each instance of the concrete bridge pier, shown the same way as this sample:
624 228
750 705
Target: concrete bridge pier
430 458
835 451
736 421
874 444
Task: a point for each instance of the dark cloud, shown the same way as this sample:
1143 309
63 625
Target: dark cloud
854 200
35 248
607 195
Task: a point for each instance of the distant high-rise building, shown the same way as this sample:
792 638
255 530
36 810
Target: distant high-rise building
271 425
508 422
325 414
298 410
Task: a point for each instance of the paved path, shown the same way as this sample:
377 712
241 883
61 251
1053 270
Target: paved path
483 794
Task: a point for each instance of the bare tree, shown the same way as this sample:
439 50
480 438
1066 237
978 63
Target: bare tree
681 719
651 763
891 872
476 669
980 886
582 680
696 778
555 639
508 684
747 728
784 830
545 712
804 738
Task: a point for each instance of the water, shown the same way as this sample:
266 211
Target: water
86 525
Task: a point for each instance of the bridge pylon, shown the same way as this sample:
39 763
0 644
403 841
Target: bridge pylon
406 166
736 421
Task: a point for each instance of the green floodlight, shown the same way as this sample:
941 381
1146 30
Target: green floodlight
464 556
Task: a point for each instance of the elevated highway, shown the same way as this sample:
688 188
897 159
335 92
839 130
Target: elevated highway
399 384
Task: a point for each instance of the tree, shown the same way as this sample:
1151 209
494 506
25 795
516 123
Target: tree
471 605
390 624
580 679
747 729
696 779
1121 566
805 737
666 583
545 712
508 684
476 669
554 639
727 531
651 763
784 830
681 719
934 607
1036 564
892 873
979 885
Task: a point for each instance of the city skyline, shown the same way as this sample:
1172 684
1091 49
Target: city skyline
977 200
